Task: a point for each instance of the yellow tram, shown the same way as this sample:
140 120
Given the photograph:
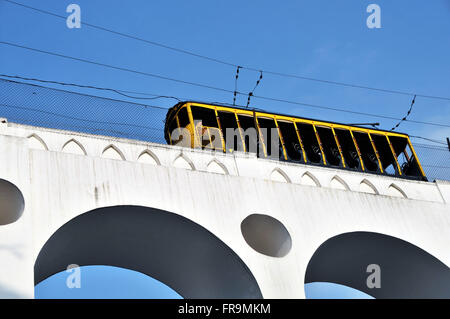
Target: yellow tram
290 138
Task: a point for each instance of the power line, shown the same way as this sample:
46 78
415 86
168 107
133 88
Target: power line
155 96
355 85
429 139
430 146
217 88
434 147
126 35
77 93
101 88
154 43
165 108
436 166
119 68
345 111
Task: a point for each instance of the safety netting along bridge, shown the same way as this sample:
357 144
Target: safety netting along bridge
38 105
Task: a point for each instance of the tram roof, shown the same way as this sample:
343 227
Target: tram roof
180 104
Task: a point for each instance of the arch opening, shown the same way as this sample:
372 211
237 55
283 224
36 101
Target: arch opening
376 265
162 245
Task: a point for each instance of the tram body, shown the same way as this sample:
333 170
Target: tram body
293 139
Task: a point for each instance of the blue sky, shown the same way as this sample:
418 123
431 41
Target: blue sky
327 290
105 282
108 282
321 39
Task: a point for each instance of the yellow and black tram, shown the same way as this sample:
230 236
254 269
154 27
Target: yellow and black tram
294 139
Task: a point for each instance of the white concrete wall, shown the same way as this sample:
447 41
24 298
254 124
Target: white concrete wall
58 186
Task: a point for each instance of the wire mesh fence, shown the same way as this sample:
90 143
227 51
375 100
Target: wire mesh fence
36 105
52 108
435 161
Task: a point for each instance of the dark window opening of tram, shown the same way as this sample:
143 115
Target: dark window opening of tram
271 138
249 133
230 131
348 147
182 136
183 117
206 127
386 157
367 152
291 142
405 157
329 146
310 143
207 116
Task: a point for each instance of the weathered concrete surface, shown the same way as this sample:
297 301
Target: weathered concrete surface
57 186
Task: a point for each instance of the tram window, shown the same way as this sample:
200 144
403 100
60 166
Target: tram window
249 133
180 138
367 152
291 142
272 143
329 145
348 148
207 116
399 144
183 117
230 131
386 157
310 143
206 127
405 156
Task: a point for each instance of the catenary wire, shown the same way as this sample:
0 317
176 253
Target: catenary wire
216 60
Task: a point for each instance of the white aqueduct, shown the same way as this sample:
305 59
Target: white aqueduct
59 175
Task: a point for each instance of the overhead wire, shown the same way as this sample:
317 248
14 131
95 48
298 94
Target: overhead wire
155 106
215 88
121 92
216 60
